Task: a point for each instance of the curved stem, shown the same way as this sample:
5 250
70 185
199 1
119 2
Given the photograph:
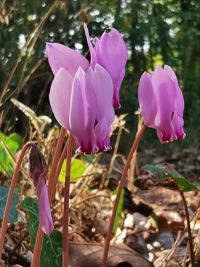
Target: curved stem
51 181
10 194
188 229
58 169
120 188
52 176
65 247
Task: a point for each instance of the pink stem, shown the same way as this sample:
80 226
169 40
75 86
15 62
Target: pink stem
65 248
10 195
58 169
119 191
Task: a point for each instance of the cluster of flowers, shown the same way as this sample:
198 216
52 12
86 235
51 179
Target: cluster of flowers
84 94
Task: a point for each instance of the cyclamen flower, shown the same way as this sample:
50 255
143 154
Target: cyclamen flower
39 172
109 51
83 105
162 104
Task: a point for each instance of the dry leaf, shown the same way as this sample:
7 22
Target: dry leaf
90 255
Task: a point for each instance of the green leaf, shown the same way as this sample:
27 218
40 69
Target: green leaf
9 145
167 176
119 211
13 216
77 170
51 254
14 142
88 158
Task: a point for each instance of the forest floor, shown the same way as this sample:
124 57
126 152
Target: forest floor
152 222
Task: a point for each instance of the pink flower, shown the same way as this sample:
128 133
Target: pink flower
39 172
109 51
162 104
83 105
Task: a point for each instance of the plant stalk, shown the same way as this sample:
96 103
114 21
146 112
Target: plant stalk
10 194
65 245
120 188
192 260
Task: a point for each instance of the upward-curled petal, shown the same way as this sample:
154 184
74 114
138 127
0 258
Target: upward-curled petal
91 48
179 94
102 131
102 84
165 92
112 53
147 99
117 85
82 112
61 56
59 97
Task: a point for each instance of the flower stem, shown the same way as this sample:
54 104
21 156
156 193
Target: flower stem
65 247
10 194
120 188
51 182
192 261
52 176
58 169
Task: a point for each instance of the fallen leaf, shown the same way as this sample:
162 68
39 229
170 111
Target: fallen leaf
90 255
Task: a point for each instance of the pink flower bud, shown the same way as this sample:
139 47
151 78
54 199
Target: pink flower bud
38 173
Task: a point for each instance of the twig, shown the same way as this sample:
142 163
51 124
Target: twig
188 229
120 188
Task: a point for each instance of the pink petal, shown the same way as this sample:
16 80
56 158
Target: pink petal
102 85
147 99
60 56
179 95
102 131
91 48
82 112
165 92
59 97
178 123
45 217
117 85
112 53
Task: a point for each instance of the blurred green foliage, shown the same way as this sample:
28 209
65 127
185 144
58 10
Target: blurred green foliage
78 168
156 32
9 145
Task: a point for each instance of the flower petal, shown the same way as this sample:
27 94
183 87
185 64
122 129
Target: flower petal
59 97
91 48
147 99
179 94
165 92
178 123
112 53
61 56
117 85
103 88
45 217
82 112
102 131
